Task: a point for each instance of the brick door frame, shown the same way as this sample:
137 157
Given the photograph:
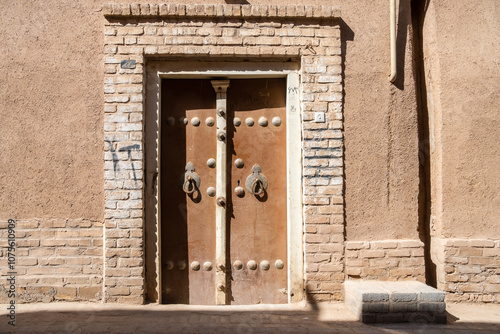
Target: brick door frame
138 34
157 70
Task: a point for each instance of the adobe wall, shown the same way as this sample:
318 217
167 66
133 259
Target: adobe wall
53 74
461 59
51 102
462 80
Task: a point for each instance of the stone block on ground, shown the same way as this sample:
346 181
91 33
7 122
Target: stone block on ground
390 302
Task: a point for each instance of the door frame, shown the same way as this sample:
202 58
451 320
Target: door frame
244 70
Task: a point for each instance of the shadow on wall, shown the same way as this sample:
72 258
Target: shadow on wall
404 20
237 2
419 9
346 34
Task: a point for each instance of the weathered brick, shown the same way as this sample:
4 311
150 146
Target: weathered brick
316 219
118 291
399 253
118 40
470 251
315 200
316 238
410 244
372 253
357 245
384 245
331 209
130 30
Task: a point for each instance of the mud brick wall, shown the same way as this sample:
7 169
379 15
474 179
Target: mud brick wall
470 271
388 260
309 35
55 260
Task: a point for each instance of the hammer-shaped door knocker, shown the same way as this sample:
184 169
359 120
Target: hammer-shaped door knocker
256 183
191 179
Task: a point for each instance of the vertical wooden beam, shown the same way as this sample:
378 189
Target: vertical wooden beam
220 87
294 188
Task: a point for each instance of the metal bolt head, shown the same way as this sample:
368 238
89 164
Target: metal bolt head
195 265
239 163
207 266
211 162
239 191
220 287
211 191
279 264
264 265
181 265
276 121
236 121
221 112
169 265
221 201
183 120
249 121
238 265
210 121
252 265
263 121
170 121
195 121
220 267
221 136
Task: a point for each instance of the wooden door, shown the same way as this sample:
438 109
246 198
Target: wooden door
254 265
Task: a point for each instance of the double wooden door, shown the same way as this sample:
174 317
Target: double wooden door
223 191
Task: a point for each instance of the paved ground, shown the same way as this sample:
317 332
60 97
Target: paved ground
301 318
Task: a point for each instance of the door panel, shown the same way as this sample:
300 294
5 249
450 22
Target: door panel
257 224
188 230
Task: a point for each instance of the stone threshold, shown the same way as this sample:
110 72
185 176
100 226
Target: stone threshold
392 302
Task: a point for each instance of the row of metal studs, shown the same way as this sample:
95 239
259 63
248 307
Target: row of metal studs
210 121
238 265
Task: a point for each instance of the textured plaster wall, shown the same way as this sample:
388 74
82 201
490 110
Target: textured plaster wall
51 98
52 115
462 57
381 142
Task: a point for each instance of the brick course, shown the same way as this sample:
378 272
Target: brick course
471 270
387 260
56 260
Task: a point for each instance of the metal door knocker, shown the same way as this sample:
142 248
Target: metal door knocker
191 179
256 182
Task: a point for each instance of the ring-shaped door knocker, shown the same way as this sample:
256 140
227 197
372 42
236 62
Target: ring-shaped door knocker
191 179
257 188
189 185
256 182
